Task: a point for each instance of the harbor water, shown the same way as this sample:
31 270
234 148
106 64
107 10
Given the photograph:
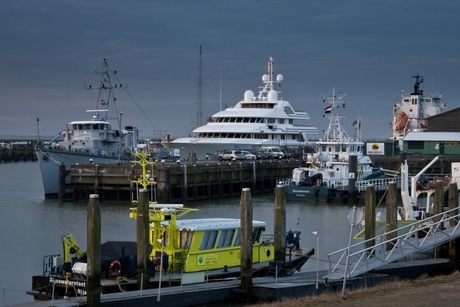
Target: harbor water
31 227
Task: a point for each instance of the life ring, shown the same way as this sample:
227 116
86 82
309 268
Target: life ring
157 263
115 268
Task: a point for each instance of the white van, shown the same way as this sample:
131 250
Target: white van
273 150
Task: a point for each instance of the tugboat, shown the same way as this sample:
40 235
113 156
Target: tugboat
327 174
202 249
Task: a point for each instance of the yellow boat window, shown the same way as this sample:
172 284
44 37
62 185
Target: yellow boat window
238 238
209 239
226 237
185 239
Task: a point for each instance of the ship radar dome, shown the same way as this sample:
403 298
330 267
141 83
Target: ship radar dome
272 95
248 95
279 78
265 78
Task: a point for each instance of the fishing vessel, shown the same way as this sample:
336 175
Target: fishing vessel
99 139
182 251
259 120
412 112
328 175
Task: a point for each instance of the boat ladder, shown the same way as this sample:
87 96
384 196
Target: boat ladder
405 241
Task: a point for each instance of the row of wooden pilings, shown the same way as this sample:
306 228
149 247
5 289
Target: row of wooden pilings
450 249
16 152
175 183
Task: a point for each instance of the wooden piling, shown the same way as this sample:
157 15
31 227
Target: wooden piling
94 251
352 173
143 244
369 215
391 213
246 244
280 224
61 182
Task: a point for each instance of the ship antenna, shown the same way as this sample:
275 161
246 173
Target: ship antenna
418 81
199 111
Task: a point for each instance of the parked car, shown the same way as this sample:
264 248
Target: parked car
249 155
275 151
232 155
260 155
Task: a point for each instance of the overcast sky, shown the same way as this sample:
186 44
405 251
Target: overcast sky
368 49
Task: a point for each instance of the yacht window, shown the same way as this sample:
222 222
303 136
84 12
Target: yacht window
209 239
225 238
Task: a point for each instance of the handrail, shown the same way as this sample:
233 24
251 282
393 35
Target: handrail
411 238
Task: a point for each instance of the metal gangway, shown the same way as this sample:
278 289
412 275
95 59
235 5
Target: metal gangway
416 237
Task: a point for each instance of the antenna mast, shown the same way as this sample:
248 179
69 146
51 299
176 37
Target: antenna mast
199 111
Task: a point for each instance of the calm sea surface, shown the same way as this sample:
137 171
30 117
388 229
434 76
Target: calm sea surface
31 227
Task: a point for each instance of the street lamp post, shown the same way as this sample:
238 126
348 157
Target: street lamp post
316 233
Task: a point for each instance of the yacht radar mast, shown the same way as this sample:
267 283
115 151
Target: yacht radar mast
268 80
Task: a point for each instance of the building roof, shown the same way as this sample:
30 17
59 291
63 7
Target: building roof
432 136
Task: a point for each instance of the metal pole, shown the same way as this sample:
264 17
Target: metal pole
348 254
316 233
161 269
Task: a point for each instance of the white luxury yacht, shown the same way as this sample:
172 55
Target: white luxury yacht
262 120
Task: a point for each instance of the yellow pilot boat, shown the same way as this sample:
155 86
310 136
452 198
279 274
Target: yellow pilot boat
211 245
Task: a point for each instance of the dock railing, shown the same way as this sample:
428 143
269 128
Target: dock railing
412 238
380 184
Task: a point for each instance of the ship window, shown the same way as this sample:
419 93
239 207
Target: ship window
237 238
209 239
225 238
270 120
185 239
256 233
